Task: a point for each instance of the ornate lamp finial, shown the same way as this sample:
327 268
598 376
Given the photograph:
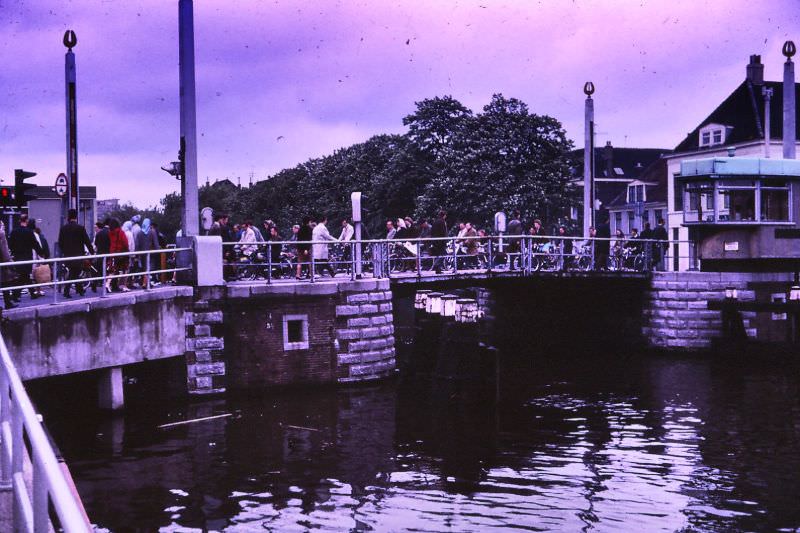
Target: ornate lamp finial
70 40
789 49
588 88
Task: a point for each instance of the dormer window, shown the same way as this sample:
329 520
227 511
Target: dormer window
636 193
712 135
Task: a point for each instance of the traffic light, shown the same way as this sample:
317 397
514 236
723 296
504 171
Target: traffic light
21 189
6 196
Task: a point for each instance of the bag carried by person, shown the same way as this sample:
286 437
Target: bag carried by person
41 274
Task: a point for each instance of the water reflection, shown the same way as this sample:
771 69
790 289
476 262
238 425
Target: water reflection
575 440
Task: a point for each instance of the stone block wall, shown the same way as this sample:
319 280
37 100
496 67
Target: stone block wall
347 333
365 334
676 314
205 349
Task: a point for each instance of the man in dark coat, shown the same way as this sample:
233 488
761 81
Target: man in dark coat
602 247
23 243
660 234
102 243
438 248
74 242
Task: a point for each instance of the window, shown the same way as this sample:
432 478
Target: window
618 221
631 221
774 200
680 188
636 194
712 135
737 200
295 332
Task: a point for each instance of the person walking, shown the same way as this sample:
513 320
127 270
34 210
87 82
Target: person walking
73 242
23 244
660 246
117 265
7 274
514 231
320 251
102 245
439 247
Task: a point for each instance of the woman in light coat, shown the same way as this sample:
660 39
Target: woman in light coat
320 251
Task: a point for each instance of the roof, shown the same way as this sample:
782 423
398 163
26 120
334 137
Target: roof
655 177
632 161
743 110
740 166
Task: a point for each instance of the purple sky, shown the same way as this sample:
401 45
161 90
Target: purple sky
279 82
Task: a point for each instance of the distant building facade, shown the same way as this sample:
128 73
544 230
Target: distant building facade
106 207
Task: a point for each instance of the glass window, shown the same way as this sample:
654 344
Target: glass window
618 221
631 221
680 187
743 202
775 205
705 138
717 136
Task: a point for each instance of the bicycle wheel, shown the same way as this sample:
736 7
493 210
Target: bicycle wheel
638 263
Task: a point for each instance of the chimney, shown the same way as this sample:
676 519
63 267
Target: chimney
789 109
608 155
755 70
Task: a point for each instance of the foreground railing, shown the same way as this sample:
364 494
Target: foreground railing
100 271
386 258
49 484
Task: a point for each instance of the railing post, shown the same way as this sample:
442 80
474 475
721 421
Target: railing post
147 269
5 421
55 280
41 518
269 263
352 260
419 259
104 270
490 257
313 265
455 256
592 250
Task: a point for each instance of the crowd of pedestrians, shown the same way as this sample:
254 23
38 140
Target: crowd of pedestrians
248 244
26 242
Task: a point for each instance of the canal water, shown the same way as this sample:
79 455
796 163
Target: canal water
559 428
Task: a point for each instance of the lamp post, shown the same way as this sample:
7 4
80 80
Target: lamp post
588 160
188 110
70 79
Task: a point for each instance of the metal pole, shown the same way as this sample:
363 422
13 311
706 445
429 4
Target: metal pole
313 266
147 269
419 259
588 155
269 263
491 257
789 118
104 270
189 218
55 279
70 77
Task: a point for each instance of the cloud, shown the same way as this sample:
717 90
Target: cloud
320 76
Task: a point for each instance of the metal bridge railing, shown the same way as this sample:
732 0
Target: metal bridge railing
99 269
49 484
382 258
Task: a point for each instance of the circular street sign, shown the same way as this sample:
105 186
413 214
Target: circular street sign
61 185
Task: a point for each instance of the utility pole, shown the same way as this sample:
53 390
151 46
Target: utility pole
70 76
588 160
189 218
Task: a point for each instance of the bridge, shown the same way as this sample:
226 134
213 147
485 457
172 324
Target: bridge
267 330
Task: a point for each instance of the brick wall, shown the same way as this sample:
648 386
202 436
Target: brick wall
238 339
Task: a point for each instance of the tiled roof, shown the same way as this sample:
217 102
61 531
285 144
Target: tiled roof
655 173
743 109
632 161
